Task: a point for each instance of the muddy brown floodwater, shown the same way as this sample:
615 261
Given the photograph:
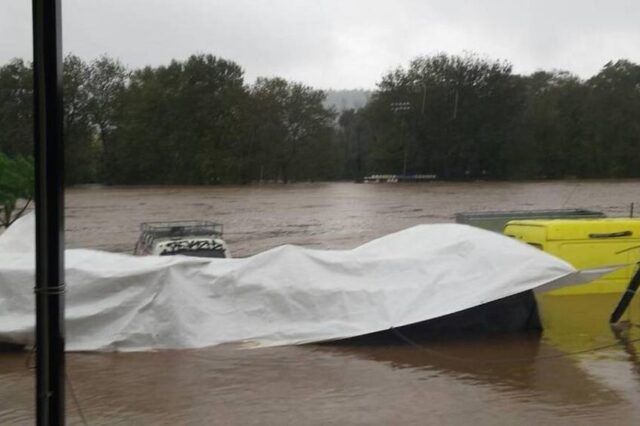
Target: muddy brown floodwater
581 372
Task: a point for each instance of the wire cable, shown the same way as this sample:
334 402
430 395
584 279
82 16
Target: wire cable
75 400
506 360
31 366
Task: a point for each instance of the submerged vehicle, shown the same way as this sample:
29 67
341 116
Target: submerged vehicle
187 238
586 243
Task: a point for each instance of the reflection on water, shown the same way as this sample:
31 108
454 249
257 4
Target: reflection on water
553 378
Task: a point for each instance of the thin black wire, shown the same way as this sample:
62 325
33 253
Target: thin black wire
505 360
31 366
27 360
75 399
573 190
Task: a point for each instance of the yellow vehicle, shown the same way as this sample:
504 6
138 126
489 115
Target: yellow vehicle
586 243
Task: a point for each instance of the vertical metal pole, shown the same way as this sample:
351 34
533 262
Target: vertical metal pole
455 106
404 146
626 298
47 67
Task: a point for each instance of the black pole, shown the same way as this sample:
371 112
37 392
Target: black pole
626 298
47 71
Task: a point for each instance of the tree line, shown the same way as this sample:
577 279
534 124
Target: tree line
459 117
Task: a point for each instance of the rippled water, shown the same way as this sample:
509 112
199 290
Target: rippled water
556 378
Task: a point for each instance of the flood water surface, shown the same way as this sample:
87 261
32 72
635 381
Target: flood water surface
580 372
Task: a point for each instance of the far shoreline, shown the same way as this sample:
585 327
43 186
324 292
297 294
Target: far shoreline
252 185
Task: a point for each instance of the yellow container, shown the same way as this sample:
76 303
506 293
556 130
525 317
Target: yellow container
585 243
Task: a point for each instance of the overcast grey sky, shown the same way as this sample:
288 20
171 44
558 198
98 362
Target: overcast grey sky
339 43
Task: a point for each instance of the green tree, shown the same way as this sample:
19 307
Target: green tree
459 121
16 108
294 128
180 123
16 183
79 142
612 126
107 80
553 140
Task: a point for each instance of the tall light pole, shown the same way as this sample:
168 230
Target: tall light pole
49 169
401 109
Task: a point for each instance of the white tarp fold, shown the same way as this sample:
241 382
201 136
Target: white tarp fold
287 295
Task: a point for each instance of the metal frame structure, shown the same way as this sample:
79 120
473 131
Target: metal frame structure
49 197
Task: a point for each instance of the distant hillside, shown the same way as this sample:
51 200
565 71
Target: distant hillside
347 99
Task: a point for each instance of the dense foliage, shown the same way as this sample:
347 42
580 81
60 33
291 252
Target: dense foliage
16 183
460 117
473 118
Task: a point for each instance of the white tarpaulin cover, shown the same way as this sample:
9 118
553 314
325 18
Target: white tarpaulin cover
287 295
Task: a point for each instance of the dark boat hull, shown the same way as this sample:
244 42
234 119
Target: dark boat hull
513 314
